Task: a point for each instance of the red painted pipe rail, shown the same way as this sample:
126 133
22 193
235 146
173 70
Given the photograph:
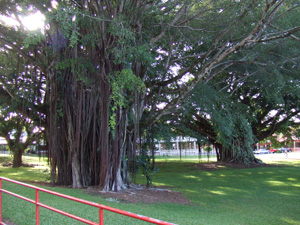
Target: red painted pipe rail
39 204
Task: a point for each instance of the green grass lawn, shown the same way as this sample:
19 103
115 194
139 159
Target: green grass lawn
268 195
38 173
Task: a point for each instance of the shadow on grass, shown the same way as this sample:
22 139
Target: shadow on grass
251 195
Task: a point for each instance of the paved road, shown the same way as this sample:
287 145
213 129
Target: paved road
290 155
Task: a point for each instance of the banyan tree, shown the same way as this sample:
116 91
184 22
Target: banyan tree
94 83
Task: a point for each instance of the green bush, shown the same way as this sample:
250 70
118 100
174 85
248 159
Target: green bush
145 166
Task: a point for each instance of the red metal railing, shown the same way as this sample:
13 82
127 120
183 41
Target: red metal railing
39 204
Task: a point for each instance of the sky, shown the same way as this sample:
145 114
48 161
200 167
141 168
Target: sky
31 22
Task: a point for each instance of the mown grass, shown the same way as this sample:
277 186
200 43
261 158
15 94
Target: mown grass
267 195
38 173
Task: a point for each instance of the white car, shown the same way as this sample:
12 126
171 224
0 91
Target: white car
261 151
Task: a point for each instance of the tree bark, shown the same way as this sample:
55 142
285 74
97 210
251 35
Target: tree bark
17 161
104 135
76 171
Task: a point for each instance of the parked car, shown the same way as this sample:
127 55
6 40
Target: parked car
283 150
261 151
256 152
264 151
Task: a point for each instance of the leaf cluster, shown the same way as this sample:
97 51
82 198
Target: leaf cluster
123 84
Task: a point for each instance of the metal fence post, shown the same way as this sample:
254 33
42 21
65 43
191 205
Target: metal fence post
37 214
100 216
0 200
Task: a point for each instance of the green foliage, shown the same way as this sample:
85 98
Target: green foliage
227 121
128 46
123 84
296 132
60 110
275 142
145 165
123 50
33 38
66 16
22 93
47 173
208 149
82 68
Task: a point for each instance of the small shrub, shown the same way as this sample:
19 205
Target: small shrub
145 165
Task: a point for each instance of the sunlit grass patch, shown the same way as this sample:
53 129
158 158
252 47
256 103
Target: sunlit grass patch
4 158
218 192
186 158
37 172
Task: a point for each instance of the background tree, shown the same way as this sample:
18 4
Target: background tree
262 88
20 103
19 134
268 87
222 121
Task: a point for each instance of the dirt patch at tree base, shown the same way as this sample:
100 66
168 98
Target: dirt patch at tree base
10 164
141 194
7 222
231 165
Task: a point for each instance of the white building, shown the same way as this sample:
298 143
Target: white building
187 146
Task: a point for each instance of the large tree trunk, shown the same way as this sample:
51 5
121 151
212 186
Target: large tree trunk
234 154
104 137
76 171
84 151
17 161
219 149
16 146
